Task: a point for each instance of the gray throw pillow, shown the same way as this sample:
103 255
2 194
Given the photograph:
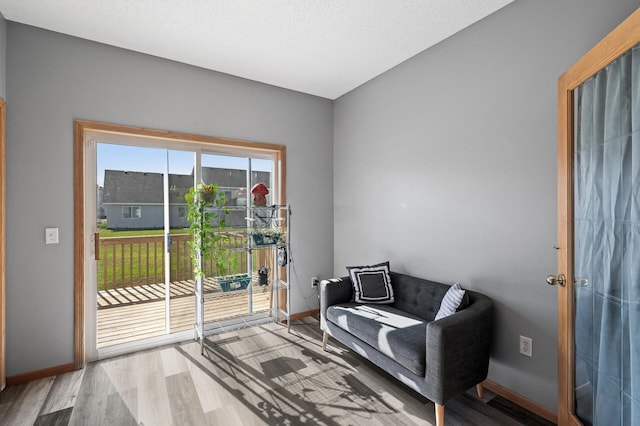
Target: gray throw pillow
371 283
451 301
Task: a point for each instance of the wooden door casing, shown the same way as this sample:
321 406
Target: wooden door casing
2 243
620 40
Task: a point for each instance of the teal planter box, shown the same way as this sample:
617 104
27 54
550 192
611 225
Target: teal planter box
234 282
265 240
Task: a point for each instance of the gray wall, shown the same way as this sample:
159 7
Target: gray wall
456 148
53 79
3 56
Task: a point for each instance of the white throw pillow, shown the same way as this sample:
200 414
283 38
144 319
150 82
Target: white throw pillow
451 301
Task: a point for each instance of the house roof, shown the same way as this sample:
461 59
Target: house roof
147 188
233 178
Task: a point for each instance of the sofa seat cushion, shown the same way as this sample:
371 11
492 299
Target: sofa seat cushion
398 334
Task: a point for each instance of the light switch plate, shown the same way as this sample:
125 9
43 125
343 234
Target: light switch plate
51 235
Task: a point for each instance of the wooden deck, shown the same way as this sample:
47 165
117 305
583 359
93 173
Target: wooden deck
133 313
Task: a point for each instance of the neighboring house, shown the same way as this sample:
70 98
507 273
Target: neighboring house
135 200
233 182
99 206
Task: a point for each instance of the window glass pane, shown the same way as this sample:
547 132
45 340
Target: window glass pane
130 179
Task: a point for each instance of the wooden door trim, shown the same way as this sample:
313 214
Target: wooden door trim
79 359
2 243
621 39
81 130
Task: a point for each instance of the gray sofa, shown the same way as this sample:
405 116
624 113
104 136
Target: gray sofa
439 359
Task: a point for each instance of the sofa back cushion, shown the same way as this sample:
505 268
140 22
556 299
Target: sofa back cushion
417 296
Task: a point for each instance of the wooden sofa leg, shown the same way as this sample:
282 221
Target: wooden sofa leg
480 390
439 415
325 338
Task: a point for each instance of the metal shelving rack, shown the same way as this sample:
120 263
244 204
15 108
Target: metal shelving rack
274 216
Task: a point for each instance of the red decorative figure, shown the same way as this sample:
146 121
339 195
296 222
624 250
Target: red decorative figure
259 192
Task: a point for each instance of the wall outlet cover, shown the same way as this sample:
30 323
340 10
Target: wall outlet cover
526 346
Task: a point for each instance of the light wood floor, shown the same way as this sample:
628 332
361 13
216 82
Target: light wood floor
134 313
255 376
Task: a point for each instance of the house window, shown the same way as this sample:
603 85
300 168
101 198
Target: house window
131 212
182 212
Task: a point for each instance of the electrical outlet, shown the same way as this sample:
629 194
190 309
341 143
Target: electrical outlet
315 281
526 346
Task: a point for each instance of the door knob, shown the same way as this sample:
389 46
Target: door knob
556 279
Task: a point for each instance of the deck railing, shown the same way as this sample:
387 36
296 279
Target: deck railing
133 261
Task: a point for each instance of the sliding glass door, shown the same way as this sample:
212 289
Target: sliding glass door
237 292
180 315
144 281
134 223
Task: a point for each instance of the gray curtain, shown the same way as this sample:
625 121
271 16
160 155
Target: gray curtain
607 244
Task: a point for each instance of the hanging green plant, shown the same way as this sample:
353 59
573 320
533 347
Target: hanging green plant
206 203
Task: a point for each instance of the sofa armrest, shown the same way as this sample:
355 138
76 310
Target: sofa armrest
332 292
458 350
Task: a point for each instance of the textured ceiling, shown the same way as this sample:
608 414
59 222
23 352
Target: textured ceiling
321 47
